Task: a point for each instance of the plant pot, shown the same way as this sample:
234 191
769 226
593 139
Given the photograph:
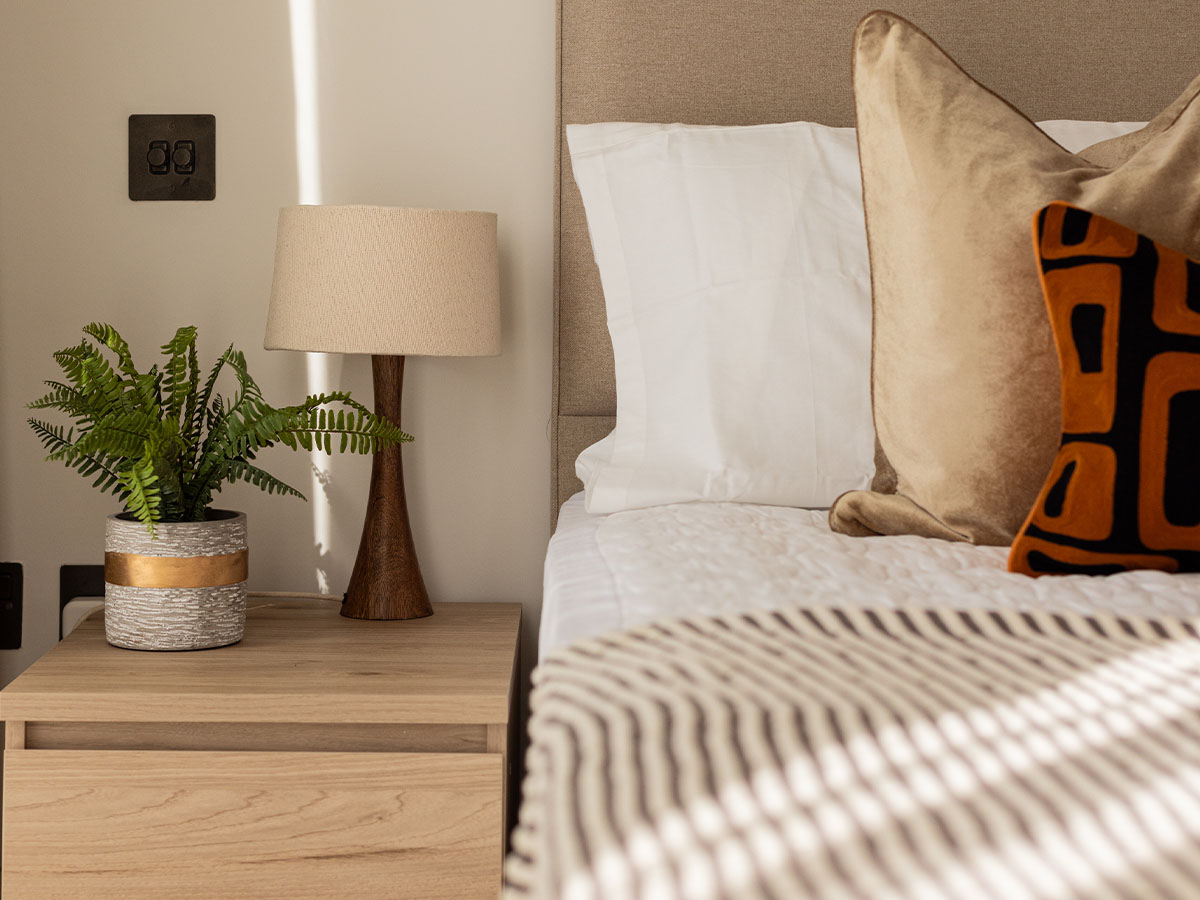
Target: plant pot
182 590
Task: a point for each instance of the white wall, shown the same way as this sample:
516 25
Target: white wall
438 103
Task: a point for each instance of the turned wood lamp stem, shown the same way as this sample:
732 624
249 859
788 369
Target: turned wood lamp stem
386 582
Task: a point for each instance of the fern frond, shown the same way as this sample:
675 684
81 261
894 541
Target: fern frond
69 359
63 397
162 450
146 392
143 500
372 434
176 382
121 433
102 381
240 469
209 460
109 337
62 448
191 404
53 437
201 414
248 390
95 379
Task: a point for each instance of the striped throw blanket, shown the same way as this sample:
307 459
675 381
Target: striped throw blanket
860 753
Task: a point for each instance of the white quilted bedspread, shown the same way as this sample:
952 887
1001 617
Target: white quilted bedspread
612 572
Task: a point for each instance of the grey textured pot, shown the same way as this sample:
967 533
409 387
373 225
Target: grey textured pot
184 590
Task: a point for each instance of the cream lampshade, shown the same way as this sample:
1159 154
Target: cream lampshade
389 282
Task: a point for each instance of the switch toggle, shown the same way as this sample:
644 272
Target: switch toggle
184 157
156 157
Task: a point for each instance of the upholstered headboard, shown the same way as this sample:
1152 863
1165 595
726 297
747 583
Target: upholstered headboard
741 62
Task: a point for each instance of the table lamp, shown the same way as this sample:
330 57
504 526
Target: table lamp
391 282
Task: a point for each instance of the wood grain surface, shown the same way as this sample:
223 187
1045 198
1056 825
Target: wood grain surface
386 582
116 824
299 662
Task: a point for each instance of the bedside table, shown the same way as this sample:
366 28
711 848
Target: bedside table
320 757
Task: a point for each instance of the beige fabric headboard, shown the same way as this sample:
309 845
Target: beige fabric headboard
742 62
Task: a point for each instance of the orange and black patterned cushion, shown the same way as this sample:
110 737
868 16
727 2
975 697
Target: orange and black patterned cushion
1124 491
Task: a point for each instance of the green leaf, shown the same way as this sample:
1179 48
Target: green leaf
108 336
206 402
260 479
191 404
176 373
165 443
143 500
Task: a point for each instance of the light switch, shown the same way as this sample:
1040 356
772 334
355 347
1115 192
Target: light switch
172 157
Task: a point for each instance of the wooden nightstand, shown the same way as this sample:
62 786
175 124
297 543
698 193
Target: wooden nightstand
320 757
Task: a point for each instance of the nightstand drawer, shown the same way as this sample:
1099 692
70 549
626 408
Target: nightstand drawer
153 824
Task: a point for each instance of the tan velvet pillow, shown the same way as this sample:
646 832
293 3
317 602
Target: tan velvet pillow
965 380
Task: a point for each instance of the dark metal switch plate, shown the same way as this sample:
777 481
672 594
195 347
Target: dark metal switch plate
11 589
172 157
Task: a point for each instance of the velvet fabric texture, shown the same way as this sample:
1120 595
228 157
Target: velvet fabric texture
965 381
1124 491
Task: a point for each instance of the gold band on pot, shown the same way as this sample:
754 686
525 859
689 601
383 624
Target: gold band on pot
135 570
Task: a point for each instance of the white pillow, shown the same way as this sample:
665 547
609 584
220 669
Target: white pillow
737 285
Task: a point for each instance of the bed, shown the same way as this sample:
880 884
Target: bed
734 701
607 573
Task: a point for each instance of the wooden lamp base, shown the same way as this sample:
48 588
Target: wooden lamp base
386 582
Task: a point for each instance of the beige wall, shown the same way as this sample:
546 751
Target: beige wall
439 103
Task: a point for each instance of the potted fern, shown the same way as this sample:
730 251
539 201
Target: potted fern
165 442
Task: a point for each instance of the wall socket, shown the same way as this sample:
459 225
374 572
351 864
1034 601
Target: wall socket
172 157
78 583
12 583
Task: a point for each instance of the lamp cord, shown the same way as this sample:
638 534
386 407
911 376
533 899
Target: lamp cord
291 595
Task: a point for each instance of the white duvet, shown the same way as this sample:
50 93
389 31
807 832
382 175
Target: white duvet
611 572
